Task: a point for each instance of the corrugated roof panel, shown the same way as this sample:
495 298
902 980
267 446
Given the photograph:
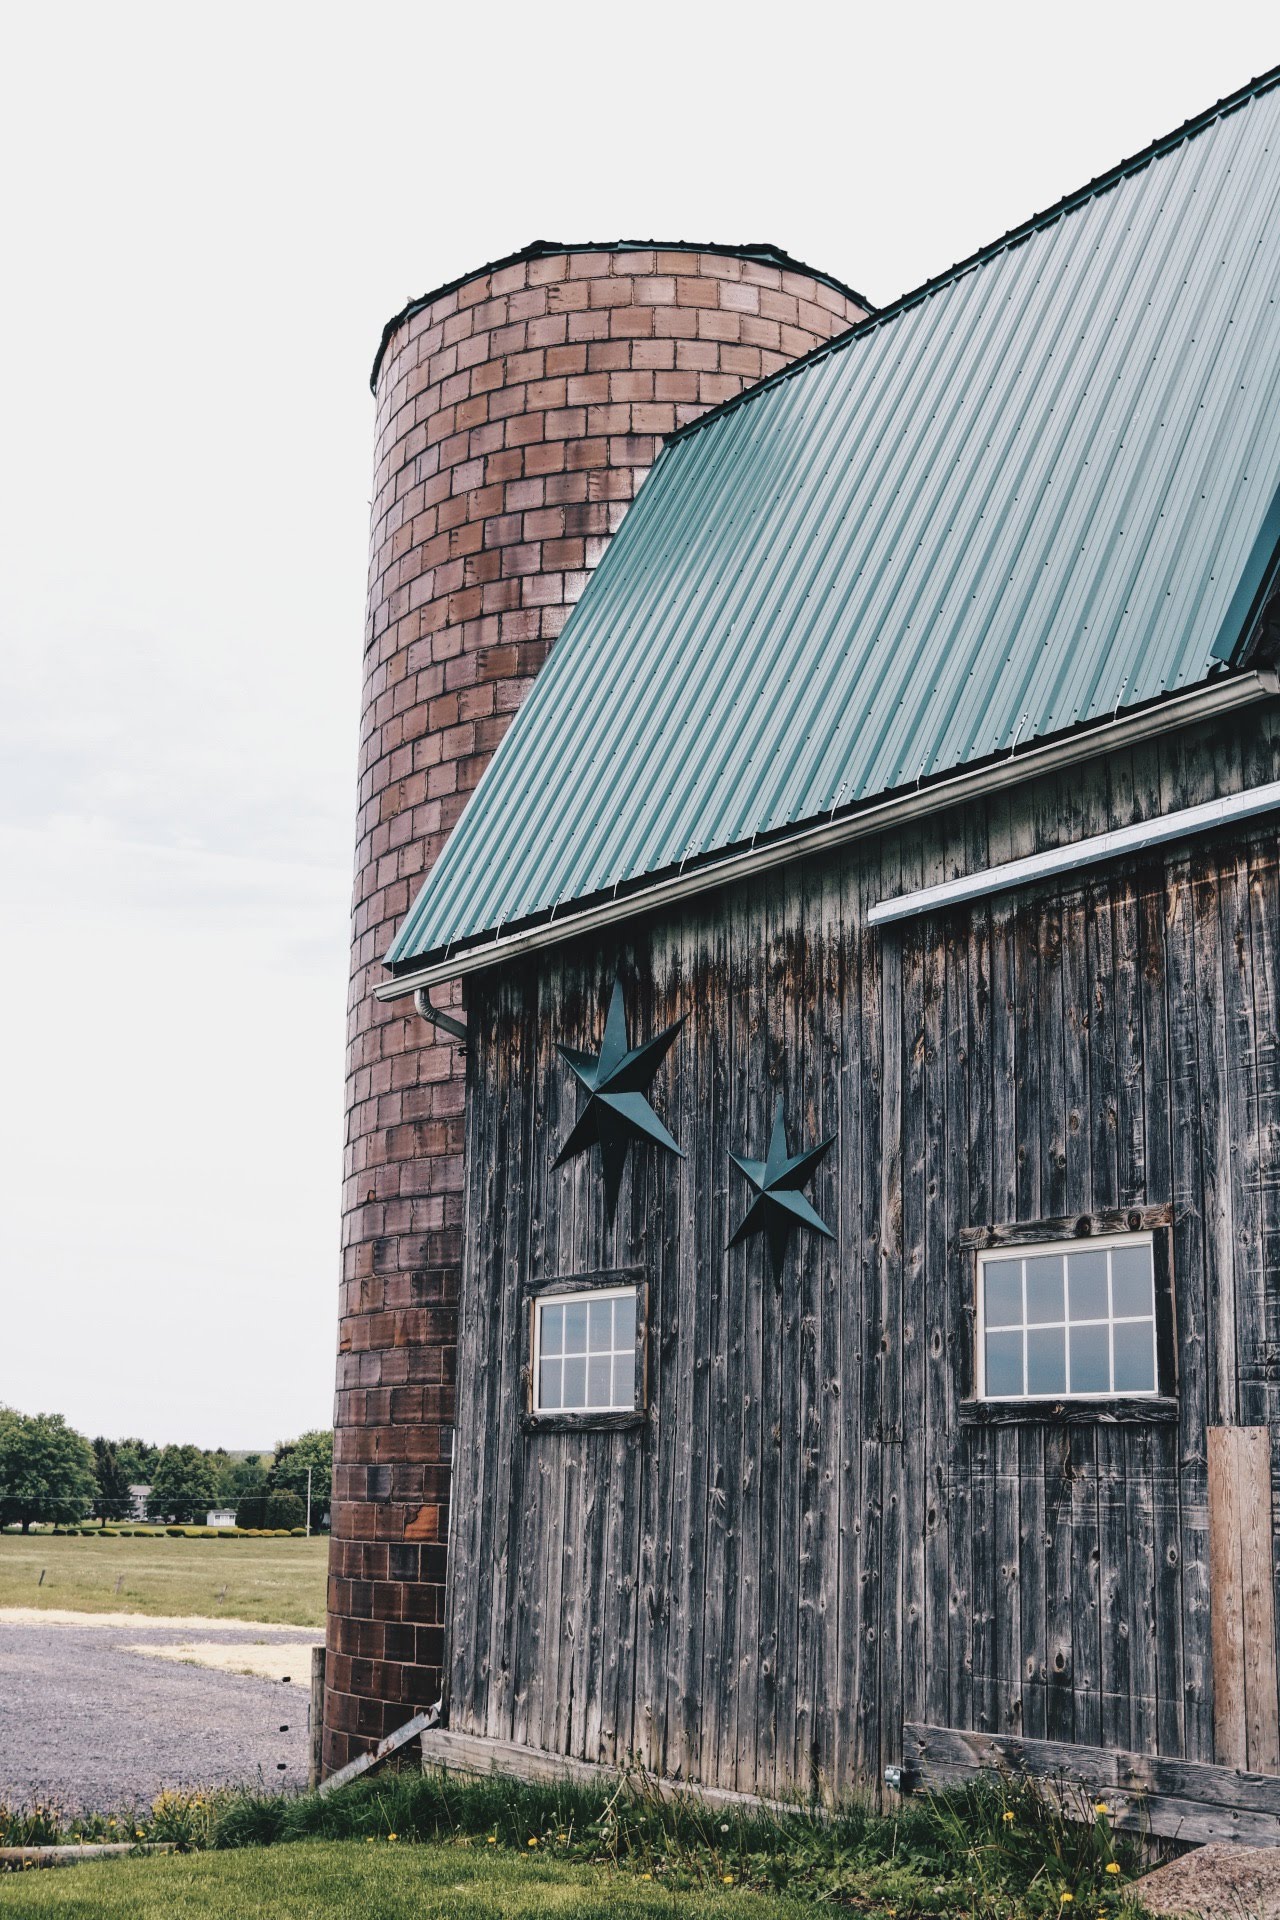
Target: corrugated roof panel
1024 500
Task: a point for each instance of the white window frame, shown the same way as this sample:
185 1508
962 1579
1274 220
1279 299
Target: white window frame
574 1296
1025 1250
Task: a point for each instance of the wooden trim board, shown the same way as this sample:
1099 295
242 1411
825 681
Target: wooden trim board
480 1755
1144 1792
1246 1697
1152 1409
1072 1226
383 1751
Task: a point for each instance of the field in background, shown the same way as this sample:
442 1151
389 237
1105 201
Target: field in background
281 1581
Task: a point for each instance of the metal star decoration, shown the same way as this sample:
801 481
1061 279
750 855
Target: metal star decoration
616 1080
779 1207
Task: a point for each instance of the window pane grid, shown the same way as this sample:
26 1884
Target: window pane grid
585 1352
1074 1322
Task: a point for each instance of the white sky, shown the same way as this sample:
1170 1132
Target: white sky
206 216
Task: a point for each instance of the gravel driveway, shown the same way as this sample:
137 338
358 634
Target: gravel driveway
94 1727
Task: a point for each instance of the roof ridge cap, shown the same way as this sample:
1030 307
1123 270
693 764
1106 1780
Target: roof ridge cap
993 249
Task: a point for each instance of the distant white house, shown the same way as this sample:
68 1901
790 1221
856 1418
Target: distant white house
138 1498
221 1517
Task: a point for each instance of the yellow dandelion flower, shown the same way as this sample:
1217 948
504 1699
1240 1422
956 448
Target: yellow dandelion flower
1101 1806
533 1843
493 1839
1008 1819
1067 1898
1112 1867
728 1879
646 1876
392 1836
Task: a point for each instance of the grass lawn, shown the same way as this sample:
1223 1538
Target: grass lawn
266 1580
353 1880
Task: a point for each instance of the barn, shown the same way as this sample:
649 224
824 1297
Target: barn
867 936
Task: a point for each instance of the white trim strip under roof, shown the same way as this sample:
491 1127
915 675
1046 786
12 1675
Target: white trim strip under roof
1079 853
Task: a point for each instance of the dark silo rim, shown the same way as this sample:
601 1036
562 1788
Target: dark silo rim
762 251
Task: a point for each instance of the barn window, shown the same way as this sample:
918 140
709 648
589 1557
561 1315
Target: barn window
584 1351
1075 1320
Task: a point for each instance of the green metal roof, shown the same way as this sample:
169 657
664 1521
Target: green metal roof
1038 491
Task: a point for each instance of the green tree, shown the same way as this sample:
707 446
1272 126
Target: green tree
184 1485
241 1475
46 1469
313 1449
251 1509
112 1499
138 1461
284 1509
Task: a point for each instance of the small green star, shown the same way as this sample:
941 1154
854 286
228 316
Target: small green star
617 1111
779 1207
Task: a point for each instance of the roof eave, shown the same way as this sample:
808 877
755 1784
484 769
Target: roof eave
1204 702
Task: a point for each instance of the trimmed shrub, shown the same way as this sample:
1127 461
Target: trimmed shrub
176 1533
298 1533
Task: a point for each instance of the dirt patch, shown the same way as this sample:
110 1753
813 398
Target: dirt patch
174 1622
1219 1882
269 1660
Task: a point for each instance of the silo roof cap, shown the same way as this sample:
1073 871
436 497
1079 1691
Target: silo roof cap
762 251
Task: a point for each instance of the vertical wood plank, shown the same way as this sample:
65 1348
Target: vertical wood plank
1227 1600
1261 1692
834 1375
1194 1404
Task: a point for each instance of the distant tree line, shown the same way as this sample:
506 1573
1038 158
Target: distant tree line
49 1472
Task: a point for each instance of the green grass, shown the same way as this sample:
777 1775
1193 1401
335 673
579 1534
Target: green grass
347 1880
988 1853
266 1580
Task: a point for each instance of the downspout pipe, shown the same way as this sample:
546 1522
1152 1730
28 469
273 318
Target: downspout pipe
445 1022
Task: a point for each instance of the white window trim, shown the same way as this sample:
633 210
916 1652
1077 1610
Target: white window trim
572 1296
1036 1249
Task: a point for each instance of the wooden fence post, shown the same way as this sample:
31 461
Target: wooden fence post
316 1719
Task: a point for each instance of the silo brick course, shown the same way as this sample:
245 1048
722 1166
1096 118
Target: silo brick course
516 415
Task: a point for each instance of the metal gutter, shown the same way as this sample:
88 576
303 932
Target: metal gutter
1200 703
1078 853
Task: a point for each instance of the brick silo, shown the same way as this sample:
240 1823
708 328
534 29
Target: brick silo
518 410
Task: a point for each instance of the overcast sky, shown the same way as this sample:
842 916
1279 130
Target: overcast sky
207 214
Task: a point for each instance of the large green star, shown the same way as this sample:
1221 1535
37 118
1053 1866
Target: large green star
779 1207
616 1080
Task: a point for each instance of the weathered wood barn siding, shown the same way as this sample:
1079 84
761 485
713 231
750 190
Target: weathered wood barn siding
805 1545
